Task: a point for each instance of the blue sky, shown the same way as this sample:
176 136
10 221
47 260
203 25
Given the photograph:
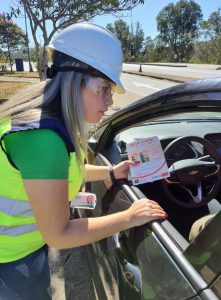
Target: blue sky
145 14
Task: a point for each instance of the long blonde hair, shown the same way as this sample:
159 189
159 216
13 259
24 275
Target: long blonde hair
62 94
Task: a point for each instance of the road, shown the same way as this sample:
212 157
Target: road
140 86
177 69
143 86
136 88
156 77
194 71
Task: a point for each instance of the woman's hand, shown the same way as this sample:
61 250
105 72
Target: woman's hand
143 211
121 170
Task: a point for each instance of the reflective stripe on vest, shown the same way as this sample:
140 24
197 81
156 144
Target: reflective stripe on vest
19 235
15 207
17 230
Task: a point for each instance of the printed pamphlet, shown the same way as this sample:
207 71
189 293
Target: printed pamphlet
148 153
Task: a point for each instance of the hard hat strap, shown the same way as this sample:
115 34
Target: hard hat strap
72 68
52 71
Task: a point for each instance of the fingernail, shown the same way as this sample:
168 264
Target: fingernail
166 216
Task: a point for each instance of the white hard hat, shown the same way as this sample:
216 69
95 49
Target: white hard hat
93 45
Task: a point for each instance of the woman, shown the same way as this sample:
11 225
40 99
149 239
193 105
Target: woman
43 147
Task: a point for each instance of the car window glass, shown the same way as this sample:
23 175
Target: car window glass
172 285
204 252
216 288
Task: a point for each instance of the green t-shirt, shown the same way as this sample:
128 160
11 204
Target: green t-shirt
38 154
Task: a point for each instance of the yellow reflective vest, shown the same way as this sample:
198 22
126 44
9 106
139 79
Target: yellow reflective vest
19 235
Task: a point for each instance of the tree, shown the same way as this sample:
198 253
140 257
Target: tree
179 26
149 50
211 29
137 39
60 14
122 32
10 35
3 60
202 53
131 42
155 51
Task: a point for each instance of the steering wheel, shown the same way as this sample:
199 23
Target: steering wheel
192 182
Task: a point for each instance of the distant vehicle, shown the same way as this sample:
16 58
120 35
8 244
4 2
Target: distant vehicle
156 261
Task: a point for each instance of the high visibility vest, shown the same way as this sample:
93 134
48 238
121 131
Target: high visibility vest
19 235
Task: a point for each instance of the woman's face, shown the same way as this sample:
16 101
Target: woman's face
97 97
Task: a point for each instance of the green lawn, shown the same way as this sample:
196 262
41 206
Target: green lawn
8 88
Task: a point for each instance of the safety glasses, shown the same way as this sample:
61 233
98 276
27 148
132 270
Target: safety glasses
102 87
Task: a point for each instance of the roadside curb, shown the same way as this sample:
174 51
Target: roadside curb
166 65
159 64
178 79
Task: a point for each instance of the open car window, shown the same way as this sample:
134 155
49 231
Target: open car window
204 252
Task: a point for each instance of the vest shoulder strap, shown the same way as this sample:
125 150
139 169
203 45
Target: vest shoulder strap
46 123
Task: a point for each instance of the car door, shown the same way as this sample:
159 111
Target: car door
204 254
141 263
102 255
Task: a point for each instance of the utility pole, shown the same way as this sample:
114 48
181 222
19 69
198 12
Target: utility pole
131 35
27 44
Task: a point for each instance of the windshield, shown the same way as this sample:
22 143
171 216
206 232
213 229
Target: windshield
172 126
192 116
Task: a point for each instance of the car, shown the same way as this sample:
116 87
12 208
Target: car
157 261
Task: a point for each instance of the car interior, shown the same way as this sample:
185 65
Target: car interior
194 139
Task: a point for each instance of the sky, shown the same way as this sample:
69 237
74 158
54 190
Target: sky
144 13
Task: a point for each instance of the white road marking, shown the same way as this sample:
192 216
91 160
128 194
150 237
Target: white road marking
137 92
145 85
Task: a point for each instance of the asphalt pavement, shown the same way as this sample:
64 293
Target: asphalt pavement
177 78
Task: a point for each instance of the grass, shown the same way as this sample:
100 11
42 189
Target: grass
8 88
19 74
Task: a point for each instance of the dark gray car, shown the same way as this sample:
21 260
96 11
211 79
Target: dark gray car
156 261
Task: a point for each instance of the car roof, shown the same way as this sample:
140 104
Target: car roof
168 96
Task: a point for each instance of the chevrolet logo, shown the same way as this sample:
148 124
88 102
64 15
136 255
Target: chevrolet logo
193 172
